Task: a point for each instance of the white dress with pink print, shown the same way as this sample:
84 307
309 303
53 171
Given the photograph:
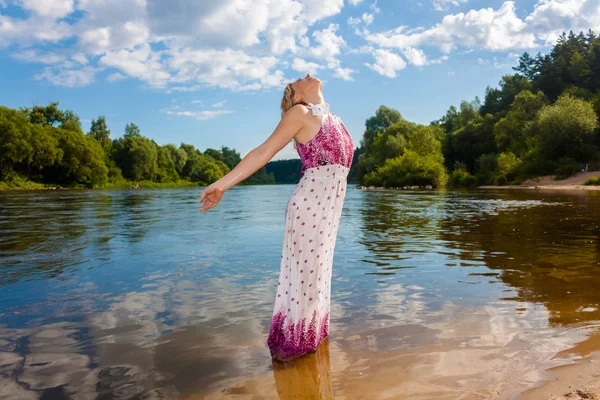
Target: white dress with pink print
301 314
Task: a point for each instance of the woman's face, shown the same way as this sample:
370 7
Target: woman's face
305 86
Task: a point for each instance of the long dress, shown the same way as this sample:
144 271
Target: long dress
300 319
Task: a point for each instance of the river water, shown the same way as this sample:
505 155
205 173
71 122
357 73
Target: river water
133 294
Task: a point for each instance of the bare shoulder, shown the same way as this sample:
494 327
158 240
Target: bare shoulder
298 112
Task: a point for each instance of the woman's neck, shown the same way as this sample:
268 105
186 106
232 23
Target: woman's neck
314 98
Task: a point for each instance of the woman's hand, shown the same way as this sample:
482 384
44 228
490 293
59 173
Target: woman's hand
211 196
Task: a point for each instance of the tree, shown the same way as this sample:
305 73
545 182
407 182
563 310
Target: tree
384 117
497 101
45 115
459 118
202 168
71 122
230 157
101 133
374 143
216 154
165 171
15 137
82 160
567 129
285 171
136 155
512 131
527 66
507 165
43 151
409 169
51 115
470 142
132 130
179 157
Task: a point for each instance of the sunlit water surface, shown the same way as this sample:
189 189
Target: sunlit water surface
133 294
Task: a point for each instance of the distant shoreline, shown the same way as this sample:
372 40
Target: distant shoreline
155 185
574 182
543 187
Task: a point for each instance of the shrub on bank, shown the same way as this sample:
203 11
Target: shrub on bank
566 167
460 176
408 170
499 180
593 181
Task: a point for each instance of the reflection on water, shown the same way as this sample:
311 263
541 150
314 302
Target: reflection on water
308 377
445 295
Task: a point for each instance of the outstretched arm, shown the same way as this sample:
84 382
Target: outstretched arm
286 130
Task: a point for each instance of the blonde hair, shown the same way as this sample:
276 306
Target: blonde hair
287 102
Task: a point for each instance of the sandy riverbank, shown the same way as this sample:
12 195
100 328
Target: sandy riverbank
575 182
580 380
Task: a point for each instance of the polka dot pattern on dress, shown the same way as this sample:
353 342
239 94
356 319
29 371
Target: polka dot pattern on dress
301 314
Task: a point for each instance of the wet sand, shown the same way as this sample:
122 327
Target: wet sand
580 380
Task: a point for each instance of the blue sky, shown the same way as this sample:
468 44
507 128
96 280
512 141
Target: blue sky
211 73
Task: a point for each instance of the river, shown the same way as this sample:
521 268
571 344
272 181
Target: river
123 294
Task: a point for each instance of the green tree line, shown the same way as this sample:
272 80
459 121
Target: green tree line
47 145
541 120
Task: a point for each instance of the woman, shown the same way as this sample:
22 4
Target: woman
300 319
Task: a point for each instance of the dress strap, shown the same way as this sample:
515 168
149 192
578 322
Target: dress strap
318 109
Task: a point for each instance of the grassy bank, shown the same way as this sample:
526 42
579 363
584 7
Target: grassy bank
20 183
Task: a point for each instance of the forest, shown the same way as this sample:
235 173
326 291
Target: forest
46 146
540 120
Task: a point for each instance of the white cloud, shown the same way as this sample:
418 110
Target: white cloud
228 69
115 77
387 63
374 7
95 41
140 63
443 5
316 10
438 60
415 56
219 103
68 77
80 58
354 21
355 2
35 29
199 115
32 55
184 45
360 24
328 47
304 66
551 17
490 29
451 73
49 8
189 45
344 73
366 19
